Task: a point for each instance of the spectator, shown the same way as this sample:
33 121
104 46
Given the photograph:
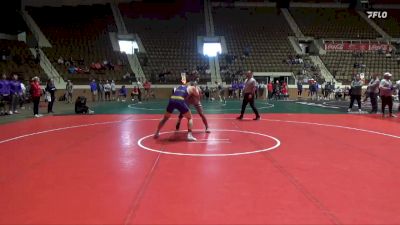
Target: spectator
86 70
80 106
327 91
338 93
122 93
15 93
5 97
107 91
126 76
261 89
135 94
23 96
373 91
100 87
161 77
93 66
299 88
240 88
317 88
270 88
230 91
28 96
69 89
220 92
51 89
285 92
60 60
207 93
386 91
346 92
36 92
93 89
113 90
277 90
356 89
72 69
67 63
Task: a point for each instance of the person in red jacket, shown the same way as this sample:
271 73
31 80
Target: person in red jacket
36 92
285 92
270 88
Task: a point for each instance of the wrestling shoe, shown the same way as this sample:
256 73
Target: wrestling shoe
190 137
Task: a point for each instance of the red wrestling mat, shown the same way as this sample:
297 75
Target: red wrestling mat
284 169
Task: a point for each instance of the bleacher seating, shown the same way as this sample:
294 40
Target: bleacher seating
342 64
391 24
17 58
81 32
332 23
384 1
262 32
256 40
171 45
8 14
316 1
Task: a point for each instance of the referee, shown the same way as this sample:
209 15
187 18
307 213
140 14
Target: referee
249 89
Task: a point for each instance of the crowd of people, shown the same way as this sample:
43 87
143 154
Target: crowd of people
377 88
273 90
14 94
107 91
79 66
200 72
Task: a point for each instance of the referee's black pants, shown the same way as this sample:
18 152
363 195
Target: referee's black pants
246 100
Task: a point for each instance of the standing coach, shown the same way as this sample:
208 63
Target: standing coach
249 89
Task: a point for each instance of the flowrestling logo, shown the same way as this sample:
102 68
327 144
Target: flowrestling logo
377 14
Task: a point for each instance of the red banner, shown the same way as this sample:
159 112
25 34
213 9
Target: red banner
356 47
348 46
334 46
376 47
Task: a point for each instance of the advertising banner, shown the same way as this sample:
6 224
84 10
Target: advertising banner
348 46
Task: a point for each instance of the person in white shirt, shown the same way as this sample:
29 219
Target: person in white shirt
250 86
22 97
398 93
386 91
107 91
113 90
69 89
